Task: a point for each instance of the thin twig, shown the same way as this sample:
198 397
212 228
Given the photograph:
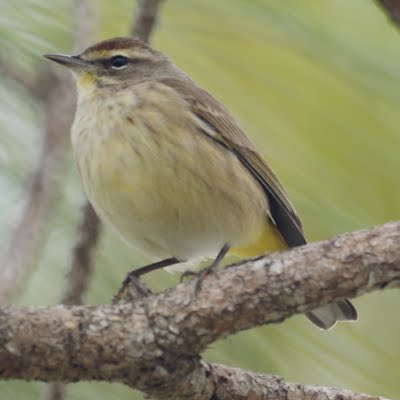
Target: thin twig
146 17
81 266
392 8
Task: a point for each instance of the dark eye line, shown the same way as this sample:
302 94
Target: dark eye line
107 62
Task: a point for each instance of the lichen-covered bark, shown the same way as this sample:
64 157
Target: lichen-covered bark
154 343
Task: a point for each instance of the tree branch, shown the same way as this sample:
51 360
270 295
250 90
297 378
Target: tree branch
146 16
237 384
82 261
392 8
154 343
56 93
45 186
78 276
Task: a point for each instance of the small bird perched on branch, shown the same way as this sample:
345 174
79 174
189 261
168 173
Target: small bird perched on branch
166 164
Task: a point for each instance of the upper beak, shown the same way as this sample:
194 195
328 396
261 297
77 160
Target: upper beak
68 61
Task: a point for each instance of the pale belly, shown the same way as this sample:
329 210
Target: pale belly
166 192
179 198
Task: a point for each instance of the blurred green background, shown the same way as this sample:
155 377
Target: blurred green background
316 84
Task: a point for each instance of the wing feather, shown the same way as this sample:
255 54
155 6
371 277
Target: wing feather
222 127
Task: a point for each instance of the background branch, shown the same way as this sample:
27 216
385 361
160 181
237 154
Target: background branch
392 8
145 19
81 267
154 343
41 198
55 89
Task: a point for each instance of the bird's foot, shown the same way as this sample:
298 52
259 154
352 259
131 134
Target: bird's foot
199 276
206 271
131 289
132 281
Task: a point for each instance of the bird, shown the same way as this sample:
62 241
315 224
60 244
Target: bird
167 165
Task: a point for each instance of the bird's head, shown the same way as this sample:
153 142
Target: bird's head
114 62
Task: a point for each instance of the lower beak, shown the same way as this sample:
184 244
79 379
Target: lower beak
68 61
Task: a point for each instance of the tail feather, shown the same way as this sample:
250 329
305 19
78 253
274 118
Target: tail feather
326 317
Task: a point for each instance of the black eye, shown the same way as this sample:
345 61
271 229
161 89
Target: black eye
118 62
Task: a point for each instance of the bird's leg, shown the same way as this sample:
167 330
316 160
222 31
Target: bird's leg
134 275
204 272
218 259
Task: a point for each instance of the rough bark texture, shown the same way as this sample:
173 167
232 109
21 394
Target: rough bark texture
154 343
251 386
78 276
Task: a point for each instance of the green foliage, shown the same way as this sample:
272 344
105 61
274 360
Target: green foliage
316 84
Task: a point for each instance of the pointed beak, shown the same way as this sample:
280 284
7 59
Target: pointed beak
72 62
